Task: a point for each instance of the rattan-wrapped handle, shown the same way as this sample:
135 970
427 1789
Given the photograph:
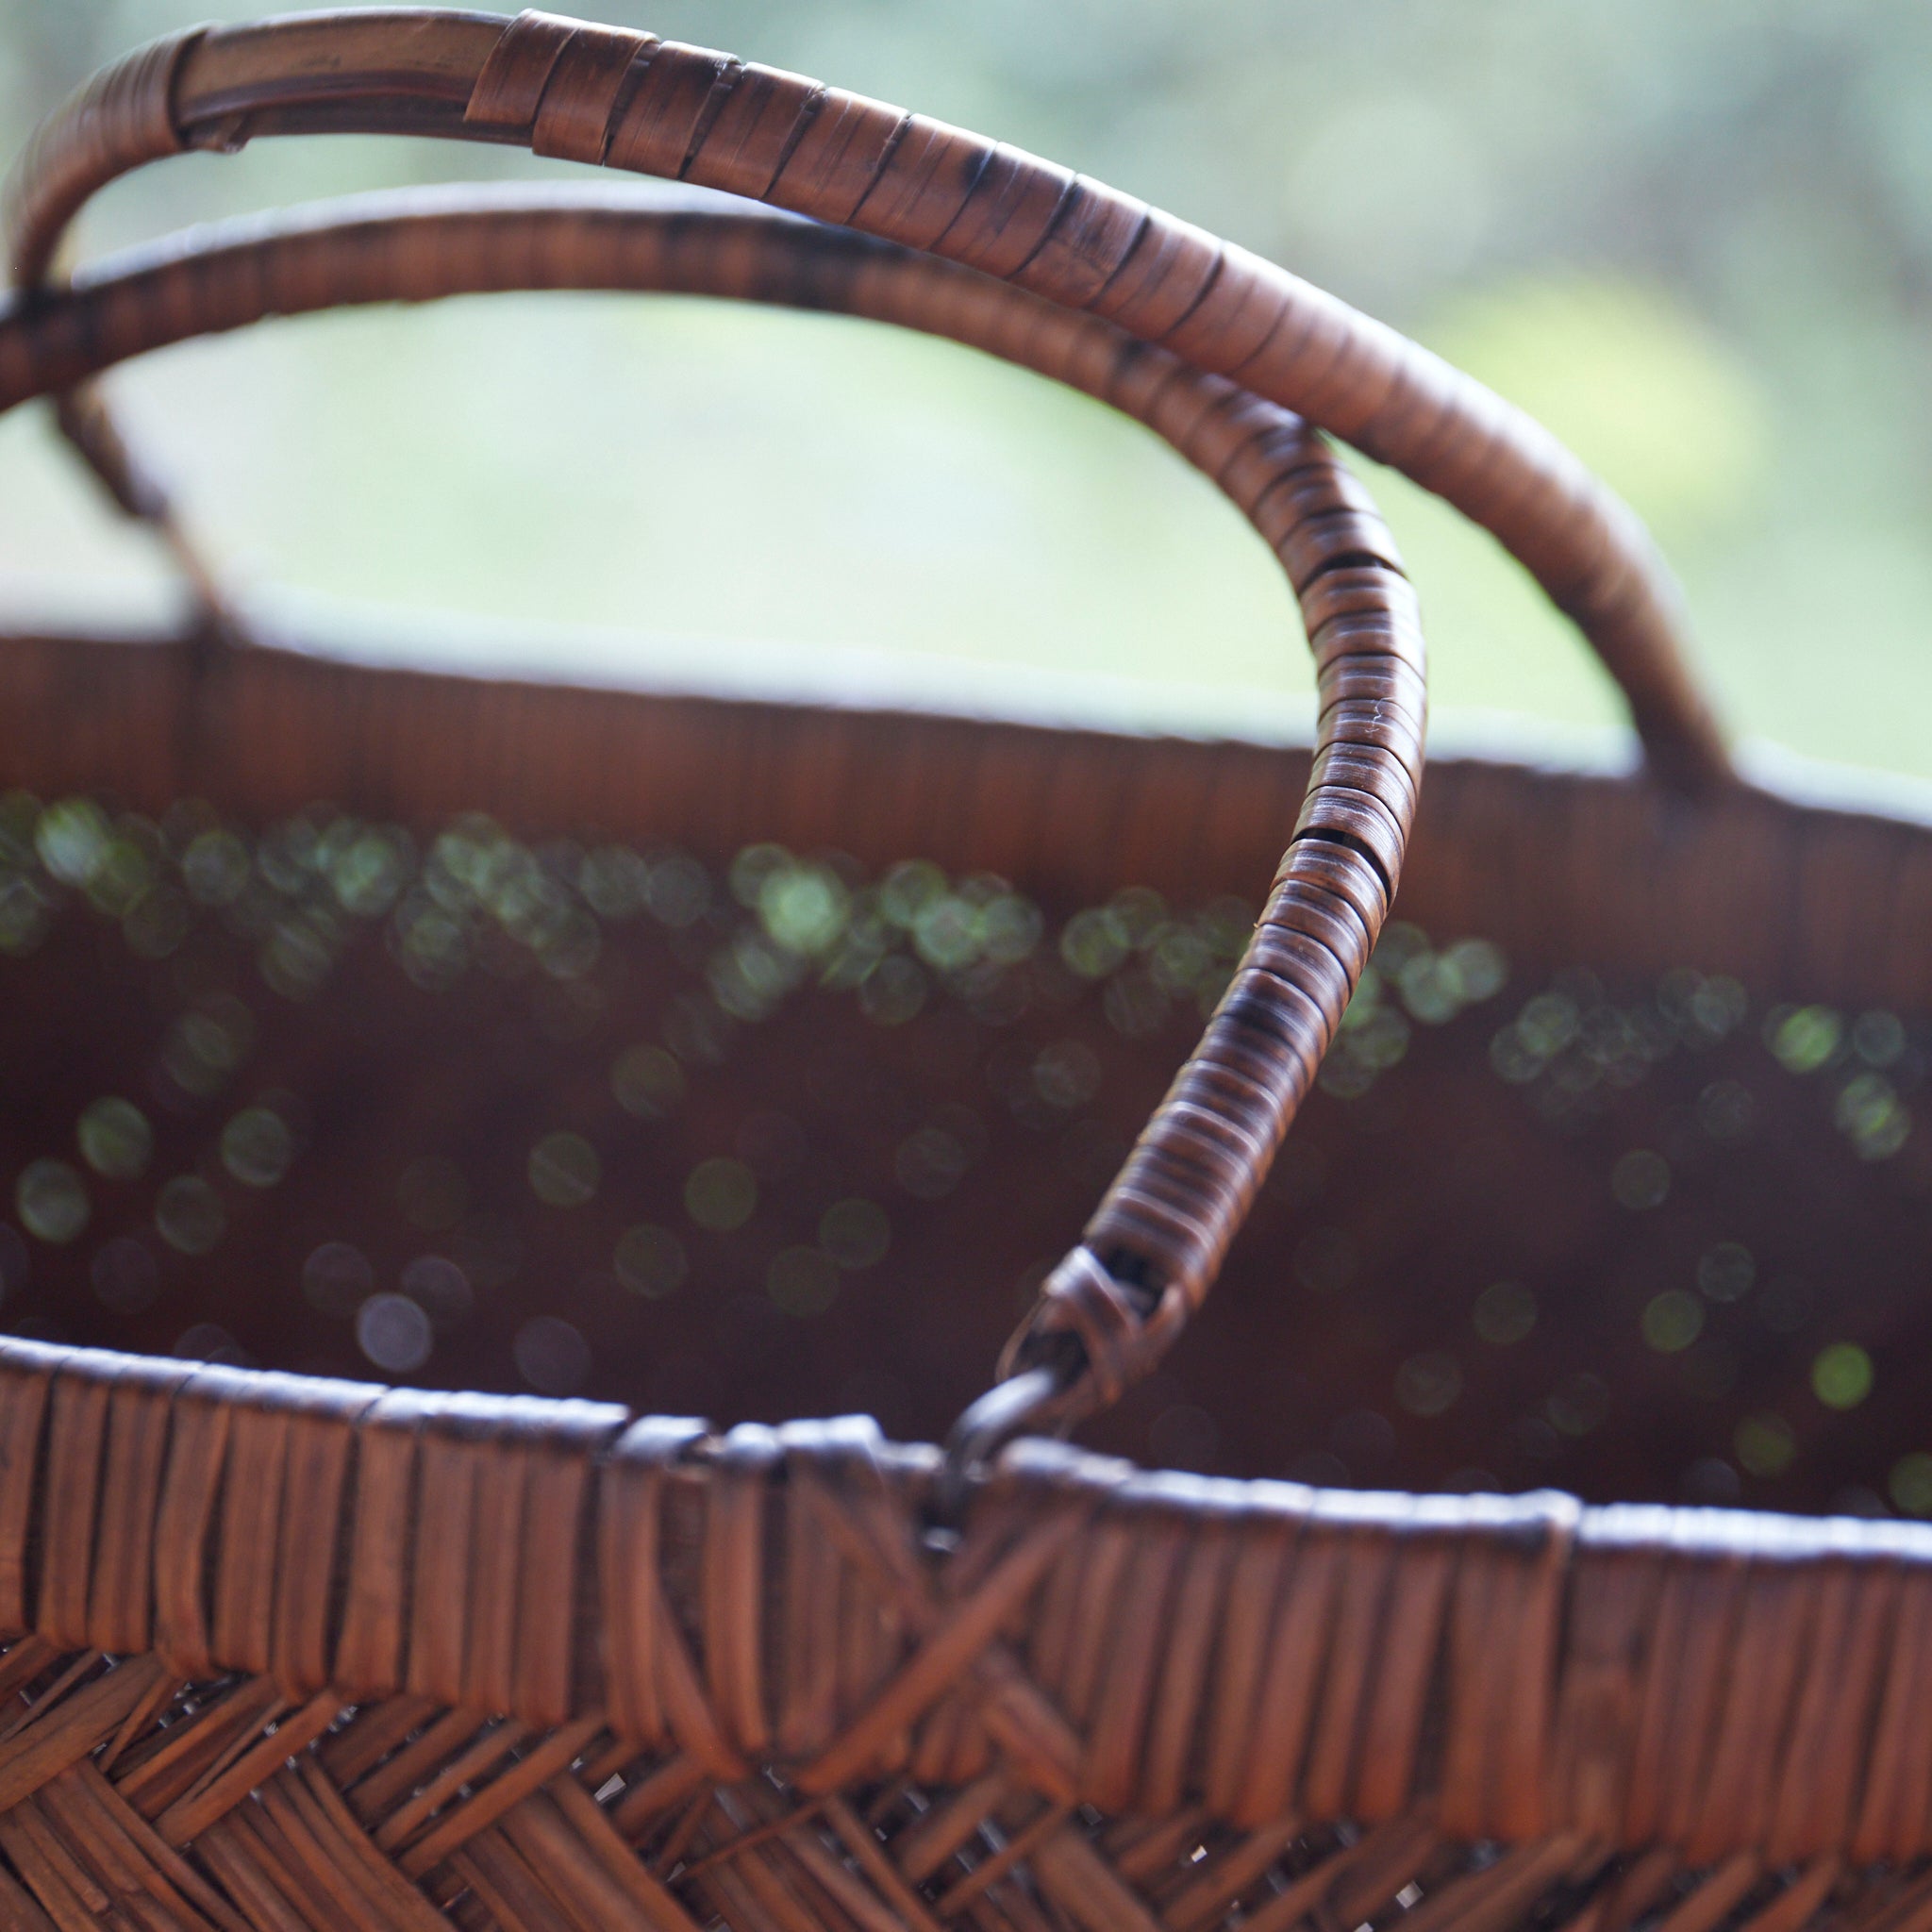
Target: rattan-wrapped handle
1150 1253
628 100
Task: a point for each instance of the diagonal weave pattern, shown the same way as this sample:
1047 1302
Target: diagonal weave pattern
316 1654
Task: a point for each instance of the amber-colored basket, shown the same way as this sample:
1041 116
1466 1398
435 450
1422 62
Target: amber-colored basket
669 1054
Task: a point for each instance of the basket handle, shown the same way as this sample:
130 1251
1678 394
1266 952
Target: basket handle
628 100
1148 1256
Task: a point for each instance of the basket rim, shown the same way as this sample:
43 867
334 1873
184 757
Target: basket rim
1780 1536
1533 1656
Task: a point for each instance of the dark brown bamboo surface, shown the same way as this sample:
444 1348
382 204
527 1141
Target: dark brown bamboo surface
413 1090
633 102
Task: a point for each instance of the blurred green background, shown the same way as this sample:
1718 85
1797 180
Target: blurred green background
1696 240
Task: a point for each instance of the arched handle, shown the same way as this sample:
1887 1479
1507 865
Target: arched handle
1153 1248
631 101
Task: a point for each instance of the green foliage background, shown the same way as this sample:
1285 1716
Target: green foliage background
1695 239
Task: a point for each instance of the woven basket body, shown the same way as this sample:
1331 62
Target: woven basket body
1444 1176
1611 1186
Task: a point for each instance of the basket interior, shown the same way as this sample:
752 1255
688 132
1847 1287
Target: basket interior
769 1134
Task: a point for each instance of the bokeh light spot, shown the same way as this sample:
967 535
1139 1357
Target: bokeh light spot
1640 1179
115 1138
1842 1375
439 1289
564 1170
337 1279
1673 1321
189 1215
1765 1444
1725 1272
722 1194
856 1233
1911 1483
394 1333
51 1200
1428 1383
650 1261
803 1281
256 1147
647 1081
552 1356
1504 1313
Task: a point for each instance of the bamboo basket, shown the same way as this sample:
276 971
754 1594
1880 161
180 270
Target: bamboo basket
1609 1178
